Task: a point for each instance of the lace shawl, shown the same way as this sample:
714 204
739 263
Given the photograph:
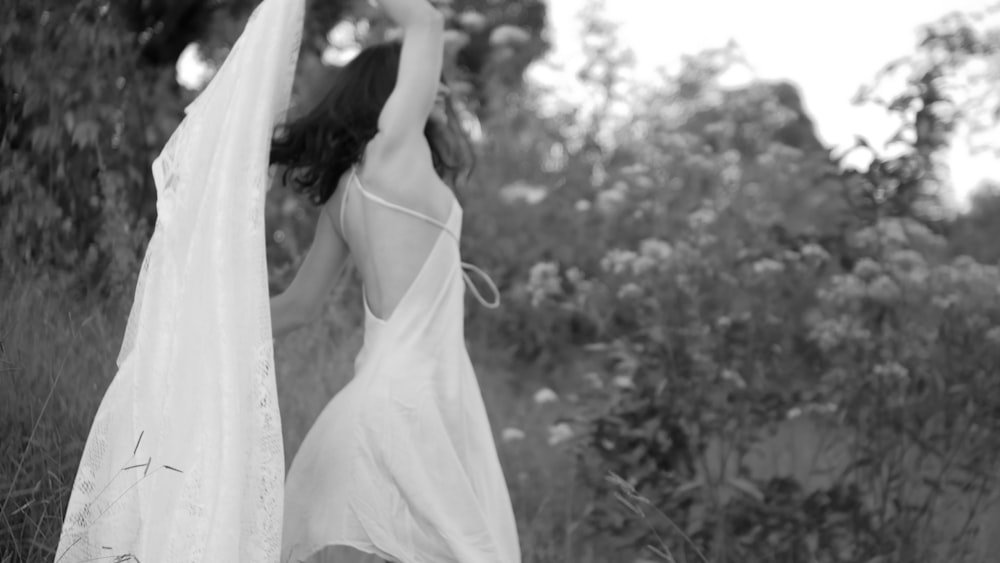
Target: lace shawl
184 461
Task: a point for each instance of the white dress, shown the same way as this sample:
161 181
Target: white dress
401 465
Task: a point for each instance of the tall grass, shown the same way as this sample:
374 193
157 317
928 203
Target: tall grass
56 359
57 356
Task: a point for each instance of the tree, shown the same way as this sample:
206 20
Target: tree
82 121
950 81
88 96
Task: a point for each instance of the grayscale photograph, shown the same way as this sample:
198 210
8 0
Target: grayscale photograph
499 281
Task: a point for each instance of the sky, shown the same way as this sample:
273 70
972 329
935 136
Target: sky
829 49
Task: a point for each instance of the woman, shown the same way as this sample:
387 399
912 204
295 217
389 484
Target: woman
401 465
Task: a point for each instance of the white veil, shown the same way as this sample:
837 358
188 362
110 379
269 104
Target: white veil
184 461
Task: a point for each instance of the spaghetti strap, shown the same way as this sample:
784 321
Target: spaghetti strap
466 267
381 200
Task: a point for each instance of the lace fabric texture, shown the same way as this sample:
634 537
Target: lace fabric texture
184 461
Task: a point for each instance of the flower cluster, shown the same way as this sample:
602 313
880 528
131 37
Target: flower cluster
653 255
544 282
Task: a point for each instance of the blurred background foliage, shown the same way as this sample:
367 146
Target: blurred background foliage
746 350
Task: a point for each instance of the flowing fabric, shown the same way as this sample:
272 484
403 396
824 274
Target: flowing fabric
184 461
402 465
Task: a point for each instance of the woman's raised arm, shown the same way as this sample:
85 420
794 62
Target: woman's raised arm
406 111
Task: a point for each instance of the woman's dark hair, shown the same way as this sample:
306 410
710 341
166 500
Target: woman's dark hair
317 148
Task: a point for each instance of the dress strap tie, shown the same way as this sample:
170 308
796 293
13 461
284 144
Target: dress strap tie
495 302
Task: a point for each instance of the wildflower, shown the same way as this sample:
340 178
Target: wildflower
911 266
617 261
511 434
574 275
811 408
455 40
705 239
829 333
508 35
559 433
814 252
907 260
635 168
580 289
545 395
543 282
892 371
911 232
945 302
655 248
623 382
731 174
642 264
582 206
629 291
867 269
701 218
543 271
766 266
609 201
897 233
471 19
523 192
883 289
893 231
843 289
644 182
866 238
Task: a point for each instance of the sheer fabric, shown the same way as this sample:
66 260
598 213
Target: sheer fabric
184 460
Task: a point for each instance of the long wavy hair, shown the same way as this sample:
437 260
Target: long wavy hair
318 147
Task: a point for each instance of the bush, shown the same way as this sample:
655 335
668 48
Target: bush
719 338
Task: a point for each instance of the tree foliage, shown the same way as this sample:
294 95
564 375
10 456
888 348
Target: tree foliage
88 96
83 119
949 85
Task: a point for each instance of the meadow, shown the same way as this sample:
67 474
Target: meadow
717 343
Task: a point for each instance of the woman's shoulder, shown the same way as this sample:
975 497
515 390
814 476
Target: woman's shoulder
390 168
395 148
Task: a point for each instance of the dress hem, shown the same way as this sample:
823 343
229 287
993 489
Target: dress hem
363 548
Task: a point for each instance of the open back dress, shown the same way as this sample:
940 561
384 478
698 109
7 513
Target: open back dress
401 465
